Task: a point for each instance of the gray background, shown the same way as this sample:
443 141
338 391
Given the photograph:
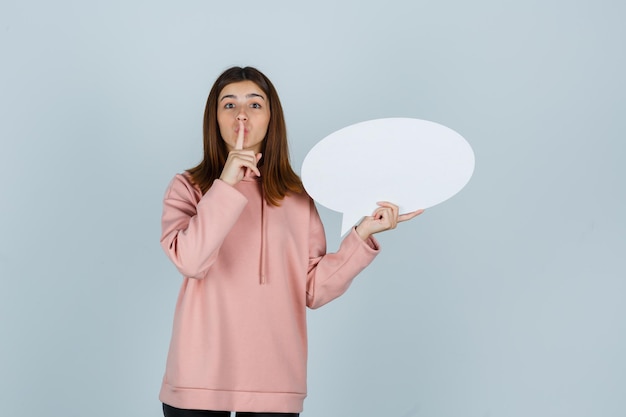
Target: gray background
507 300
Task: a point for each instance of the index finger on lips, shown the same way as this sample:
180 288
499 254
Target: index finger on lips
242 130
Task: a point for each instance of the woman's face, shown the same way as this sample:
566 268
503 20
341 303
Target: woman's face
243 101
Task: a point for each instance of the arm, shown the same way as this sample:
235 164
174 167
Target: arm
330 275
192 233
192 230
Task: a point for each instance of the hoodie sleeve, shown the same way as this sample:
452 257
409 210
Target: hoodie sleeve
330 275
192 230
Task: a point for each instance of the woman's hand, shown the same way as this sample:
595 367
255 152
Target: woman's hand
239 161
385 217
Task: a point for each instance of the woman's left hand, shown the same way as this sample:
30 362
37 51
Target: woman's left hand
385 217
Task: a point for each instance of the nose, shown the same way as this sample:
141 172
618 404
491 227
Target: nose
242 116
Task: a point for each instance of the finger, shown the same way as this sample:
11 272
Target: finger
385 217
383 204
241 153
246 160
409 216
393 213
392 217
242 131
378 213
392 206
253 168
256 160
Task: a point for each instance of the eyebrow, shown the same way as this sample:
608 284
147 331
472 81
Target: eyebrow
247 96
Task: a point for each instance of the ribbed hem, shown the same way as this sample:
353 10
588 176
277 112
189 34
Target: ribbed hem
206 399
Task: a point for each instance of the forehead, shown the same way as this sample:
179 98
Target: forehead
241 89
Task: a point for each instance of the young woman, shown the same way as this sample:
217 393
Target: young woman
251 247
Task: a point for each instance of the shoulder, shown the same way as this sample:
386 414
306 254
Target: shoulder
182 186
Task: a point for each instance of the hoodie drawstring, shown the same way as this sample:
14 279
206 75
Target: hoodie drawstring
263 279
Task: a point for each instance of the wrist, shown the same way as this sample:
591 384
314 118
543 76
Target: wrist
227 180
364 235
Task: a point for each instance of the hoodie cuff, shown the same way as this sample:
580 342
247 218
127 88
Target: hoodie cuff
371 243
221 189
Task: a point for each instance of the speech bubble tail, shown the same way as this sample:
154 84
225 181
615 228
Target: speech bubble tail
348 220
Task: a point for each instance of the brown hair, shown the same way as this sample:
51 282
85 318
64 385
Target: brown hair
278 178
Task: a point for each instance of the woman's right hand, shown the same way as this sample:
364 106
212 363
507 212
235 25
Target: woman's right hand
239 161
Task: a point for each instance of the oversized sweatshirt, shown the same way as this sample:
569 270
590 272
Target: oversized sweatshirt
239 339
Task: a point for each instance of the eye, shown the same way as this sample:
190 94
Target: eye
229 106
255 105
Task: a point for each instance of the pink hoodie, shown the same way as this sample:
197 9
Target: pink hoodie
239 341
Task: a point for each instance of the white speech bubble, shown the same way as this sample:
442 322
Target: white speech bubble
412 163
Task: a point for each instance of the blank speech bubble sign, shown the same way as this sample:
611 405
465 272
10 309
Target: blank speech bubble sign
412 163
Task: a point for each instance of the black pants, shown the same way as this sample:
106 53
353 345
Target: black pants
169 411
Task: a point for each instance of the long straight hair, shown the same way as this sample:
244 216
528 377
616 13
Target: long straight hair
278 178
